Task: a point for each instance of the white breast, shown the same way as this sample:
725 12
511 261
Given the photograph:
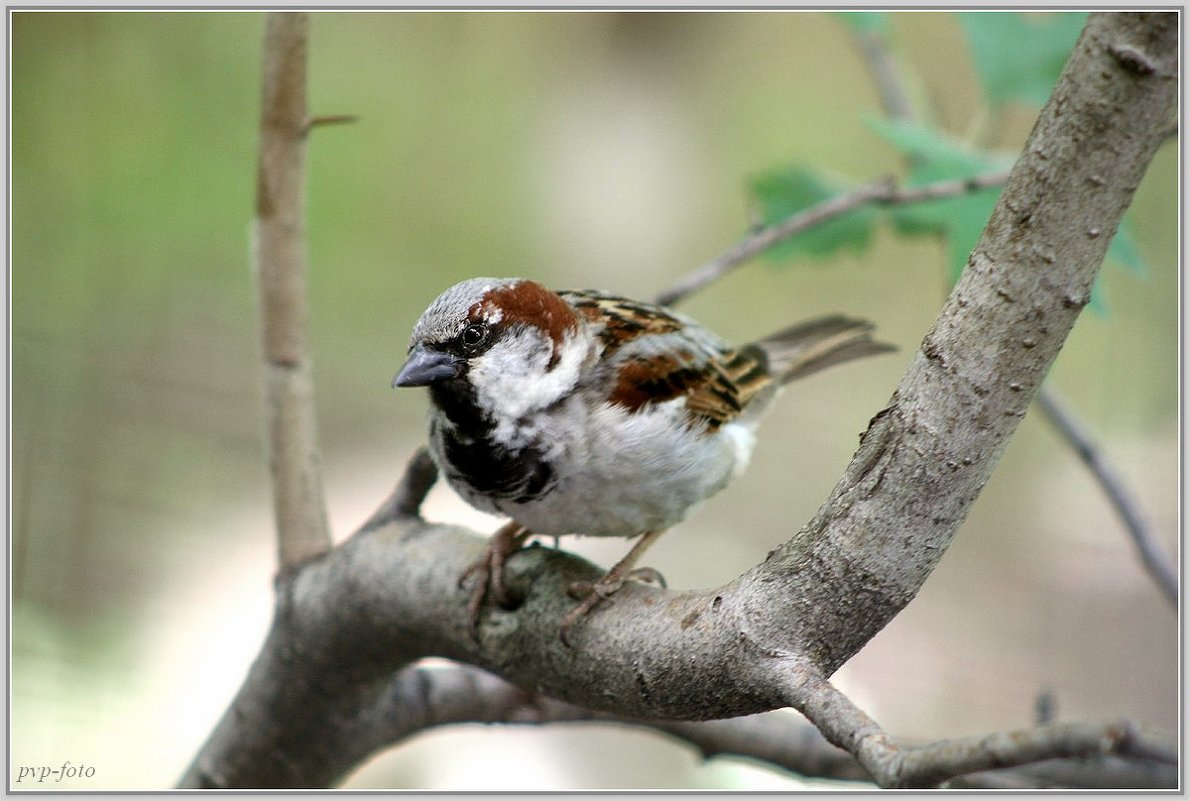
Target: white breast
622 474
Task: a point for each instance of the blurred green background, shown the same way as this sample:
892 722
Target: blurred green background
583 149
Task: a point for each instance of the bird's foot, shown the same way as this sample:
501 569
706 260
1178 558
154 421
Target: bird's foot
595 593
489 571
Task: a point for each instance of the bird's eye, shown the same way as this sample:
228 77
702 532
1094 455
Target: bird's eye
473 335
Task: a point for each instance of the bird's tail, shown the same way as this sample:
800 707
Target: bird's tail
808 347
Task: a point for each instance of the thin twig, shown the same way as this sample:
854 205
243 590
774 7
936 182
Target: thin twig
883 192
761 239
929 765
407 497
330 119
303 531
893 97
947 188
1156 562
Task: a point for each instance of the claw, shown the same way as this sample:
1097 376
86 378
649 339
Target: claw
489 572
489 582
648 575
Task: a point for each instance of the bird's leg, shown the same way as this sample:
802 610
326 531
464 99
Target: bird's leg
489 570
595 592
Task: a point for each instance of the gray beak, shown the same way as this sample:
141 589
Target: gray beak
426 367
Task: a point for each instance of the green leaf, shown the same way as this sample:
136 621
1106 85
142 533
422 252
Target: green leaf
1123 250
868 21
968 216
933 157
1019 56
785 192
1098 301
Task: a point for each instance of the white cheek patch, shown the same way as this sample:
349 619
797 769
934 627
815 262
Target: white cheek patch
513 379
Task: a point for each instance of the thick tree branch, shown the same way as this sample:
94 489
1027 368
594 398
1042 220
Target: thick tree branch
300 718
303 531
891 86
348 622
424 696
927 455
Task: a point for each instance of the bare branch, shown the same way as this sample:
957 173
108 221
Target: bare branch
330 119
881 192
1159 566
930 765
303 531
883 69
406 499
1098 773
779 739
840 721
761 239
948 188
425 696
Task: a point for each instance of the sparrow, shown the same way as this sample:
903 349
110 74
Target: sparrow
583 412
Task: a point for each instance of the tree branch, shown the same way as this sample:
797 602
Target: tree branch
365 696
347 622
927 455
1159 566
303 531
883 69
891 86
423 696
931 764
883 191
891 91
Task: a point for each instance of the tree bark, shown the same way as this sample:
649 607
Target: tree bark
279 253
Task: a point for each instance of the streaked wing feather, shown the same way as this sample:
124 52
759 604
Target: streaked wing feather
657 354
656 363
734 379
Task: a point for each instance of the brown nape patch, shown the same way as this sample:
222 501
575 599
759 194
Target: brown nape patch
530 303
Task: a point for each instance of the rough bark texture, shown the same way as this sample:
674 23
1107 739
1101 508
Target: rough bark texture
348 621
